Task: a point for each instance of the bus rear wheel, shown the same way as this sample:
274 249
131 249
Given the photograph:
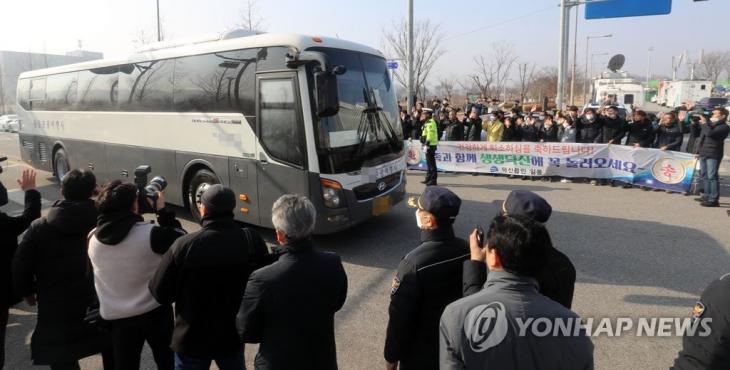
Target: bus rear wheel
60 164
198 185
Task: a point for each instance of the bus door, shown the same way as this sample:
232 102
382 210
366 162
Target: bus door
281 152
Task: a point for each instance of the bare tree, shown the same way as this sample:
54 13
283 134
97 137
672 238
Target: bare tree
427 50
250 18
526 75
545 83
143 37
445 88
493 71
713 64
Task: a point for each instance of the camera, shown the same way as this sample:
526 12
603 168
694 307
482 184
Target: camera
2 159
146 190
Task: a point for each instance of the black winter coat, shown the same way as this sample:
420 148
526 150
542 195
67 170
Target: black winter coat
549 135
669 136
455 131
474 130
529 133
613 129
289 308
428 279
510 133
53 263
10 229
695 129
416 128
407 127
711 143
589 132
205 273
640 132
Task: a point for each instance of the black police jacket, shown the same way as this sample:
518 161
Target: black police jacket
10 228
289 308
428 279
205 273
702 351
556 278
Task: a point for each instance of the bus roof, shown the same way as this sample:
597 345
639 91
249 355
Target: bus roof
298 41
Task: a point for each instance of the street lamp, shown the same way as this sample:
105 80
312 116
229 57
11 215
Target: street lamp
588 39
648 64
590 75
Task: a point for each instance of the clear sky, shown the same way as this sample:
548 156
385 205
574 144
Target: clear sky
56 26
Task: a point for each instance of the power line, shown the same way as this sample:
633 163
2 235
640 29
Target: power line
503 22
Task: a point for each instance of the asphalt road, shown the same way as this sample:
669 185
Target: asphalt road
638 254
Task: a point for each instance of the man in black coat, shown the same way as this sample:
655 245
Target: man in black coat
10 228
710 149
205 273
590 127
668 135
556 277
454 128
614 127
427 280
640 132
51 268
289 306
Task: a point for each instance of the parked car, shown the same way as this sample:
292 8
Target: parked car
9 122
707 104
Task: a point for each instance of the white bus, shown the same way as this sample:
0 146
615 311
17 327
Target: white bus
264 114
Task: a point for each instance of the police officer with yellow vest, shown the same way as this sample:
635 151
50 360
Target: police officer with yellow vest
430 138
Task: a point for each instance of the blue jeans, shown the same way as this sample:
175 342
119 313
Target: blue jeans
233 362
710 181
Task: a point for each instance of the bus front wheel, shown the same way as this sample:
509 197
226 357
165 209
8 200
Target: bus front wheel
60 164
198 185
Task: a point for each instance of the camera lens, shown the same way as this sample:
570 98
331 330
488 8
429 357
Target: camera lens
158 183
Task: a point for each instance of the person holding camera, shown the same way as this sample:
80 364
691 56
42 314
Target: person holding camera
125 252
710 150
10 228
205 273
430 138
51 269
428 278
481 331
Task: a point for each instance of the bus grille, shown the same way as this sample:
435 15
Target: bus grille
367 191
42 152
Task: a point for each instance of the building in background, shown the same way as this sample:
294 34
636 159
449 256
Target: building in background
13 63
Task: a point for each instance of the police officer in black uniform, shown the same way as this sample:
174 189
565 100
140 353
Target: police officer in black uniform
427 280
702 351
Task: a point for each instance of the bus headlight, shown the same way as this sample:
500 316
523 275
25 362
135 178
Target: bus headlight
332 193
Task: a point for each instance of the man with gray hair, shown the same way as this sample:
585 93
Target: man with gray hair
289 306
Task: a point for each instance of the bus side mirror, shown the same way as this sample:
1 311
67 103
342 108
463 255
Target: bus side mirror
328 102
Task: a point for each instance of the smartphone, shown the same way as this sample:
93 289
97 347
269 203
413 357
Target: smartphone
480 236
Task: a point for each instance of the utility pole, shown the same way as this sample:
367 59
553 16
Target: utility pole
410 86
159 30
575 57
589 77
563 56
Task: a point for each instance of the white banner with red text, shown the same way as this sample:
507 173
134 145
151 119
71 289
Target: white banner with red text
652 168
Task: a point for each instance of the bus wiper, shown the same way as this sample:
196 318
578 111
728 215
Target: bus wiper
372 118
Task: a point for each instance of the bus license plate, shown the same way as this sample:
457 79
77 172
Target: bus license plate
382 205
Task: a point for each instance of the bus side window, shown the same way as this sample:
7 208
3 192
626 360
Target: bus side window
61 91
280 133
37 93
97 89
24 93
146 86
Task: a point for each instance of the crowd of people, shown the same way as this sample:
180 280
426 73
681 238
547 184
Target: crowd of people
494 121
107 281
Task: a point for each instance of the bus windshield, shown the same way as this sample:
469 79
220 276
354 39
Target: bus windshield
368 116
